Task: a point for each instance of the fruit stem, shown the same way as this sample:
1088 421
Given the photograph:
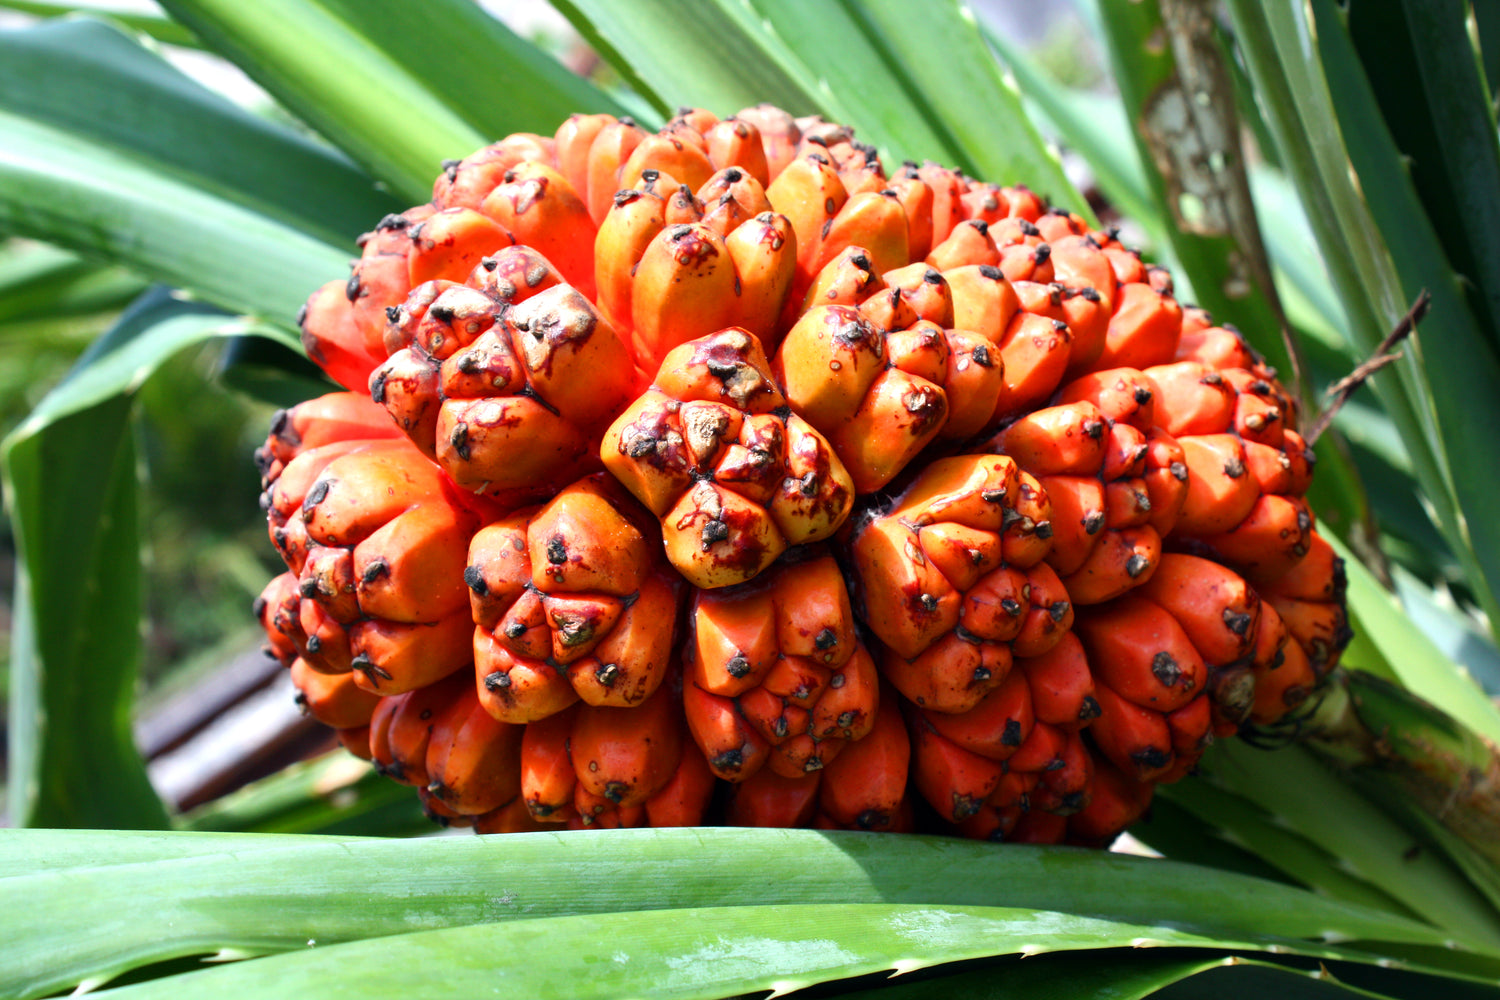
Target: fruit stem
1384 735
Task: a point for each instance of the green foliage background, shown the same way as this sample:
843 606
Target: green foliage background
1367 854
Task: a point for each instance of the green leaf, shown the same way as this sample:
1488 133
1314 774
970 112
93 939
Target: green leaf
89 198
159 28
40 282
1415 661
1481 871
1241 822
1420 756
1178 97
689 953
1095 127
1001 145
33 852
1294 252
1385 468
1298 791
83 923
102 88
1174 973
70 481
72 759
270 371
1381 251
1425 73
1177 833
491 77
334 794
703 51
1238 978
859 83
156 327
1455 633
725 55
1487 28
452 77
338 81
1090 975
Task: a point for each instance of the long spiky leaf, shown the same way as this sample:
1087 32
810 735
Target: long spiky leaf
98 918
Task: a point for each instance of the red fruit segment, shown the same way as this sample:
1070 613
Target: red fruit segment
623 755
1062 685
473 761
686 161
612 146
1310 601
967 244
955 781
1116 800
508 380
685 798
763 250
357 493
769 799
736 142
333 699
733 481
400 733
864 788
335 417
1221 491
1284 676
333 338
450 243
908 602
938 591
634 219
541 209
465 183
845 377
392 657
1142 654
1136 740
1214 605
571 147
411 568
810 194
683 287
382 276
570 600
1144 329
775 674
997 726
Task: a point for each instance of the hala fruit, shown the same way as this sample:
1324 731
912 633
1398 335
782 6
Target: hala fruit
938 512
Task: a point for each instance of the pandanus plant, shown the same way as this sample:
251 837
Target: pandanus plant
1054 543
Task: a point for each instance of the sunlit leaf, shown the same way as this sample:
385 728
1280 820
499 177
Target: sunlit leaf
725 55
1381 250
1297 790
83 923
104 90
159 28
453 77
